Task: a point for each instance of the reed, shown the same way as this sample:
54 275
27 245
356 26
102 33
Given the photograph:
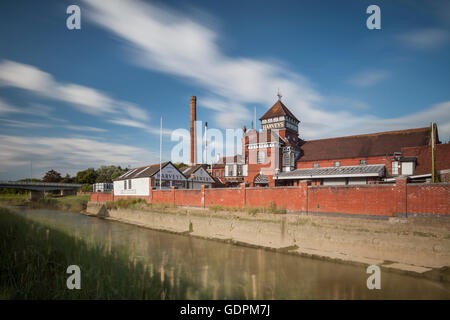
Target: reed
34 258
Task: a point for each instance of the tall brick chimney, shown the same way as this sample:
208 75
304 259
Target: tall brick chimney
192 128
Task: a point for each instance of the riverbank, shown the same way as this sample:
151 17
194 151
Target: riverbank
418 246
34 257
76 203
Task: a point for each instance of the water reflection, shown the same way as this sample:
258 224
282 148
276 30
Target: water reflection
201 269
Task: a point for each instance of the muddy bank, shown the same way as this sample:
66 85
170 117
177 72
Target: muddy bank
417 245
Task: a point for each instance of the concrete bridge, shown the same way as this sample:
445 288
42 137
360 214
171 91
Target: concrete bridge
38 189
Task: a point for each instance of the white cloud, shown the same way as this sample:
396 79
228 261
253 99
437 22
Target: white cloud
84 99
85 128
429 38
369 78
23 124
64 155
165 40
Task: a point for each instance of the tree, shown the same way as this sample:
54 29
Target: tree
108 173
179 165
67 179
87 176
52 176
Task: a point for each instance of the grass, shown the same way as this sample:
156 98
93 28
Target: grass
67 203
271 208
14 199
424 234
34 258
137 204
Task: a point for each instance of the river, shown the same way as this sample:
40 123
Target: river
219 270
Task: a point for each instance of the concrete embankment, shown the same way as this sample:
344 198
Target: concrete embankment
418 246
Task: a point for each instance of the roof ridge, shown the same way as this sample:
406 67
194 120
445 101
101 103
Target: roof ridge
373 134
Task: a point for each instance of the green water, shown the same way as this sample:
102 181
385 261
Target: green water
218 270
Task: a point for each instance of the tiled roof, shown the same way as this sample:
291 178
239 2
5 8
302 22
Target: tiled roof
142 172
335 172
187 171
278 109
366 145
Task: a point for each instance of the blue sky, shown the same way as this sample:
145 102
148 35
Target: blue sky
72 99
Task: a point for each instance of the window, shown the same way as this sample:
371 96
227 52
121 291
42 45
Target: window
394 167
363 162
407 168
129 184
217 173
315 165
125 184
261 157
337 163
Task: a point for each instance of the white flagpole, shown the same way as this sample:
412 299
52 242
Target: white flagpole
206 143
160 154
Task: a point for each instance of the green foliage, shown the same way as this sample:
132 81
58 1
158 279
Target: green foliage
52 176
107 174
68 203
179 165
10 199
87 176
86 188
126 204
34 258
272 208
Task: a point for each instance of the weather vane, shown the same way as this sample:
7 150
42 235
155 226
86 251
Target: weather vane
279 94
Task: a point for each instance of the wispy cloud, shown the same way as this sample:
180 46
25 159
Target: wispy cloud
65 154
84 99
168 41
85 128
23 124
369 78
425 39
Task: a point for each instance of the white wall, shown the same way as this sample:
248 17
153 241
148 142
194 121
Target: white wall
334 182
139 187
355 181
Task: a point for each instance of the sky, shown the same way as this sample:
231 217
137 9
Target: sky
74 99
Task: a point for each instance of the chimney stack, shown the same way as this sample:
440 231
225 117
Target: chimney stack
193 133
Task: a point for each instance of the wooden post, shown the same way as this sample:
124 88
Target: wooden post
434 177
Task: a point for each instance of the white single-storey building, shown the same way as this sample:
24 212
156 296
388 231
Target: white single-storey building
138 181
197 176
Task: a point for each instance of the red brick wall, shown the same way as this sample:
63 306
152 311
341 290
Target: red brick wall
290 198
384 200
146 198
385 160
367 199
162 196
191 198
428 198
102 196
423 155
228 197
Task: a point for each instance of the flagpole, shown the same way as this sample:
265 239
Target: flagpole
160 154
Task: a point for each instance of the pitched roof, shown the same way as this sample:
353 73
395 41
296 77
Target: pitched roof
335 172
142 172
366 145
278 109
187 171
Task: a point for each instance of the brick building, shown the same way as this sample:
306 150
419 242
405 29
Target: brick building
277 156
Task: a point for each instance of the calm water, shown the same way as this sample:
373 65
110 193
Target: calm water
224 271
